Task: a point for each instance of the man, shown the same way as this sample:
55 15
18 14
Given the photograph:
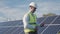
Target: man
30 19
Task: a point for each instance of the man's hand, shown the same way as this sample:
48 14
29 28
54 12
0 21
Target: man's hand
36 28
42 25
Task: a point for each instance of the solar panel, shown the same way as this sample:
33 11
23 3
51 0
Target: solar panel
12 29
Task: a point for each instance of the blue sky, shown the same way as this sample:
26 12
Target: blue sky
15 9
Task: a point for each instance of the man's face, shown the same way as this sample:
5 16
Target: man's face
33 9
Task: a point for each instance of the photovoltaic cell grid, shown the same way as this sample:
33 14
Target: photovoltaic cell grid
16 27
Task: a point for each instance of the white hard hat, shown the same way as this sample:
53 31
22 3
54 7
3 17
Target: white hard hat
33 4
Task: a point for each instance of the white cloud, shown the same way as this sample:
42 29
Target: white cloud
49 6
12 13
2 19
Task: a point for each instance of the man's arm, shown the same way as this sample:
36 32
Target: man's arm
25 20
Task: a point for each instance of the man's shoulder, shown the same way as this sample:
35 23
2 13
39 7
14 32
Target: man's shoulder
25 15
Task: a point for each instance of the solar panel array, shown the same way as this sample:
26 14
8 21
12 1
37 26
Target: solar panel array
8 27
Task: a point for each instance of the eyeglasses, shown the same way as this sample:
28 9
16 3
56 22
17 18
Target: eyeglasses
33 7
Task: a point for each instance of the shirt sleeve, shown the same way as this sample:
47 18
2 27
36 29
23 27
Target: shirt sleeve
25 20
